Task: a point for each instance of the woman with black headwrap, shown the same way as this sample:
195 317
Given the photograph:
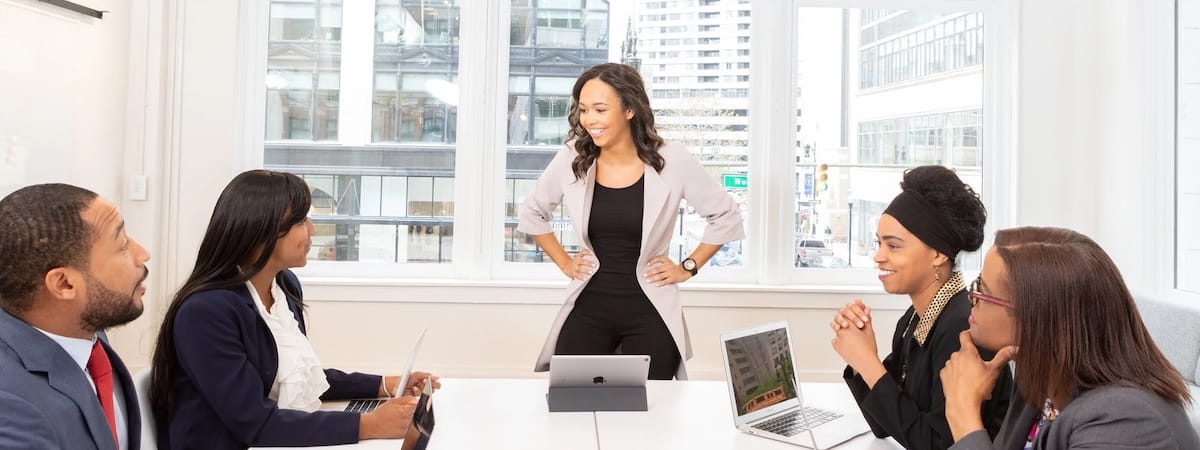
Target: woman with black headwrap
936 217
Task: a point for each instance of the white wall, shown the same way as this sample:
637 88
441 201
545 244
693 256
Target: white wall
63 81
1076 144
1086 102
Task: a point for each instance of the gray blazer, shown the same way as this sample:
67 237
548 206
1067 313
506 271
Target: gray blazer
1116 417
45 399
682 178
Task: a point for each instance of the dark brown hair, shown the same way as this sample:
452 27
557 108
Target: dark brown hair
628 84
41 228
1077 324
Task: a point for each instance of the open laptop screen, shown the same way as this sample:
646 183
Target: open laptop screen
760 370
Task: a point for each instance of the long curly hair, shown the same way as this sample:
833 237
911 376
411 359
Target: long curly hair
628 84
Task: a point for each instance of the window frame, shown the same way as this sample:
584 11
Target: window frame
1163 23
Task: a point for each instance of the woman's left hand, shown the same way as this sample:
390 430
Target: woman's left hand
416 380
661 271
967 381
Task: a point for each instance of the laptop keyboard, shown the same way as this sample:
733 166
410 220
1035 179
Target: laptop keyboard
364 406
793 423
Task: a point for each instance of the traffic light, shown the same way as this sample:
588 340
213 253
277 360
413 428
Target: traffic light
823 177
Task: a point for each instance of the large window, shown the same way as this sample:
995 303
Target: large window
366 101
1187 155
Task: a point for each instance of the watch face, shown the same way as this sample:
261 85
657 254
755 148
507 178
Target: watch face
689 264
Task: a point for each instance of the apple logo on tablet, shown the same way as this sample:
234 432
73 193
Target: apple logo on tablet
598 380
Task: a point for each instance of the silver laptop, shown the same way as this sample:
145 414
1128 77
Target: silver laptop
766 398
368 405
591 370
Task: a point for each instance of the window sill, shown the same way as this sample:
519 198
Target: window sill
704 295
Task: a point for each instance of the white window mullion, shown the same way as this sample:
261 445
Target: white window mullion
772 139
495 125
478 193
357 73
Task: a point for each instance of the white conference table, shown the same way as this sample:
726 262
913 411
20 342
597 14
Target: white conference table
490 413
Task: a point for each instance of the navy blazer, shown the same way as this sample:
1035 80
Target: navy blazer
228 361
46 401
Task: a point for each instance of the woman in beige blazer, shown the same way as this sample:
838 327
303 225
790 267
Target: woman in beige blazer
622 185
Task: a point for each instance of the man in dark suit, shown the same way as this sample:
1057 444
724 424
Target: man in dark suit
68 272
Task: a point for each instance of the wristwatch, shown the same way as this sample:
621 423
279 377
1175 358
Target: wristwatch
690 266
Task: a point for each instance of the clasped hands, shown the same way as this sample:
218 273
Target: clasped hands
854 340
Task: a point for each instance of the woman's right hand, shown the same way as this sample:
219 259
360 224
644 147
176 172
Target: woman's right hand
389 420
854 314
579 267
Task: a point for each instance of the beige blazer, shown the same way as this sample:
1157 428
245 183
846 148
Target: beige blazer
682 177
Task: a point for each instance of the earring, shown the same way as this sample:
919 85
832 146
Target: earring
936 276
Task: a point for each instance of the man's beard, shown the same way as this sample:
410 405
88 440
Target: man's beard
108 308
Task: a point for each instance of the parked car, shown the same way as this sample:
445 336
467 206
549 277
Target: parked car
810 252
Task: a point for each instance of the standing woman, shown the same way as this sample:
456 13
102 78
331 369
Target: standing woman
232 367
1088 373
919 234
623 184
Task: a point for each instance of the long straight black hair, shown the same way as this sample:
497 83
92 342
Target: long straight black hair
256 209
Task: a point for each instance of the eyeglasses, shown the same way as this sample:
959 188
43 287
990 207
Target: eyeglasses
975 295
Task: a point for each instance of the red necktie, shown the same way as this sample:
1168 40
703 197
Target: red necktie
100 369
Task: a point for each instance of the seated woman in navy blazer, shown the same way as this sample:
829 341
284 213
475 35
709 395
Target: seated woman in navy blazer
232 367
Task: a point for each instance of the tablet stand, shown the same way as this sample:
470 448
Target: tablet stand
596 398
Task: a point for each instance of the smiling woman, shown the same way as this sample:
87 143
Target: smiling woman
920 234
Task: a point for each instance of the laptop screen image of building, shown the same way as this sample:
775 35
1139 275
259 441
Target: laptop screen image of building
760 369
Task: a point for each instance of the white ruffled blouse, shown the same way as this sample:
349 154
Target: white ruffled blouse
300 381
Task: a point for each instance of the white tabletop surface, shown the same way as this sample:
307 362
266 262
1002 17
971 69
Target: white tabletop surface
479 413
698 415
485 413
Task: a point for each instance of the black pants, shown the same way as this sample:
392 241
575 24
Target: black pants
600 323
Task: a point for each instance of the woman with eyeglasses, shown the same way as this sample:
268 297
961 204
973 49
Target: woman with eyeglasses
935 217
1088 374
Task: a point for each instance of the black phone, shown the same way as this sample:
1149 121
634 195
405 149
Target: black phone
421 428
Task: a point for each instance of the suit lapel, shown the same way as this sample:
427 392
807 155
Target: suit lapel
657 193
39 353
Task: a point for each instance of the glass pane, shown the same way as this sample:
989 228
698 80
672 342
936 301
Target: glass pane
303 86
392 200
846 175
710 116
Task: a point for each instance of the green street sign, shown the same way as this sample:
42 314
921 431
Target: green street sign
736 180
